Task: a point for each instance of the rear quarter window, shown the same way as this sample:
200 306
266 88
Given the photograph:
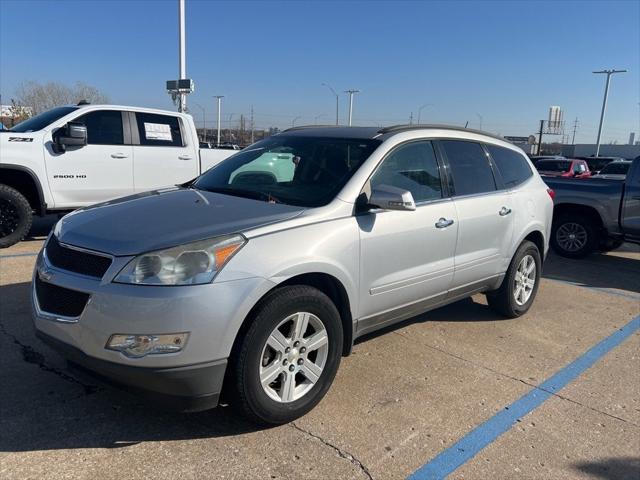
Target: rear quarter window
513 167
159 130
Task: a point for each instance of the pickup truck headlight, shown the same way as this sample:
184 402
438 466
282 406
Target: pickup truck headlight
189 264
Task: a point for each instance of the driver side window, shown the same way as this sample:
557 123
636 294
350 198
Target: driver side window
411 167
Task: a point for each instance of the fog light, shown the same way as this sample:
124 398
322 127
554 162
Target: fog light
136 346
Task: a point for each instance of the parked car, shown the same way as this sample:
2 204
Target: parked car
616 170
255 290
598 163
73 156
563 168
598 213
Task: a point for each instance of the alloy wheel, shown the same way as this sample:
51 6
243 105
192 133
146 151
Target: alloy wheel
571 237
293 357
525 280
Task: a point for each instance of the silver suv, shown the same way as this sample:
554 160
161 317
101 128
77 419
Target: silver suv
254 279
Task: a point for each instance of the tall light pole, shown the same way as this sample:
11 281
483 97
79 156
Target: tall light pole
479 118
337 100
604 103
351 92
293 122
204 120
182 49
219 99
420 110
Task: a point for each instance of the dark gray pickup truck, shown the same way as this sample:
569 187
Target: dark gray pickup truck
595 213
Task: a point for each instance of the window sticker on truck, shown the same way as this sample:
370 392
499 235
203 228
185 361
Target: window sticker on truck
157 131
20 139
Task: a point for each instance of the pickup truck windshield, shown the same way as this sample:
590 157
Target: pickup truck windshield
42 120
553 165
301 171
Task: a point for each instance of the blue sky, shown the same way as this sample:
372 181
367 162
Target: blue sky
507 61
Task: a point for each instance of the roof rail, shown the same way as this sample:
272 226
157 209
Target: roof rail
409 127
304 127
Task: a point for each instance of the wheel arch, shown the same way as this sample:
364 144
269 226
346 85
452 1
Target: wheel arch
25 181
578 209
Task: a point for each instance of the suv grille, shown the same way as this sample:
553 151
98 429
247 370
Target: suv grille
75 260
58 300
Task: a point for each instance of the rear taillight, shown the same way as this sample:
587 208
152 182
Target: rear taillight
551 193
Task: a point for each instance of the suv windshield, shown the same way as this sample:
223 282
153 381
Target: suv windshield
302 171
553 165
42 120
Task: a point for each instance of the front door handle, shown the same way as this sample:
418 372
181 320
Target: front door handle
444 223
119 155
185 157
504 211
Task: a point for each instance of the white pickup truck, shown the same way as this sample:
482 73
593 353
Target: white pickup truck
74 156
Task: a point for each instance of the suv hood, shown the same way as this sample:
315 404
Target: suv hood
165 218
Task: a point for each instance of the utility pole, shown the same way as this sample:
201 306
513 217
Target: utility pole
540 137
337 100
351 92
182 108
480 118
411 119
252 125
604 103
575 127
219 98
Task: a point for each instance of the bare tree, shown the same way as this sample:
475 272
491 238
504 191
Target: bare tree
40 97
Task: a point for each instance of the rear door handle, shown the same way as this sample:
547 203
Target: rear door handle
444 223
504 211
119 155
185 157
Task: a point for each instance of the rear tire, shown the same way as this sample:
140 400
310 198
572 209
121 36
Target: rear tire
574 236
16 216
519 288
272 386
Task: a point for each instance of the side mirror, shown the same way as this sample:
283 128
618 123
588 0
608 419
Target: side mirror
73 134
391 198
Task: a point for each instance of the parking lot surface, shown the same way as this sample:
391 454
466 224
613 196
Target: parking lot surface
400 400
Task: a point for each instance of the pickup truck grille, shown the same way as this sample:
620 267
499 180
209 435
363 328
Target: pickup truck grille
58 300
76 261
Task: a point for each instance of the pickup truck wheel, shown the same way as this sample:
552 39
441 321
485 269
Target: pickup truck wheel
289 356
15 216
573 236
520 285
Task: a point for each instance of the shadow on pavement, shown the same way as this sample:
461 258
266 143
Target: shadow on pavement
41 227
48 406
623 468
598 271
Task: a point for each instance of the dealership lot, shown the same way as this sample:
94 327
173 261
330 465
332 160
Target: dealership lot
403 396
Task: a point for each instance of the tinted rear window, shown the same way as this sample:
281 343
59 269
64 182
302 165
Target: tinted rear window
553 165
513 167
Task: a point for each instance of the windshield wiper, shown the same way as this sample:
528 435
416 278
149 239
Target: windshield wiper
238 192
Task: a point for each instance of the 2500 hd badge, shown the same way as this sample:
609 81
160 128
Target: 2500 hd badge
69 176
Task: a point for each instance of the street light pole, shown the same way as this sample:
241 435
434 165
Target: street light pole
480 118
351 92
604 103
219 98
182 49
420 110
337 100
293 122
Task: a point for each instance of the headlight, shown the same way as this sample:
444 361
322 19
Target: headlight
190 264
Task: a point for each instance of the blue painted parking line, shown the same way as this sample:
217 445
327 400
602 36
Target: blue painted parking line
483 435
16 255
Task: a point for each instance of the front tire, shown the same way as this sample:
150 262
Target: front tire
520 285
289 356
15 216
